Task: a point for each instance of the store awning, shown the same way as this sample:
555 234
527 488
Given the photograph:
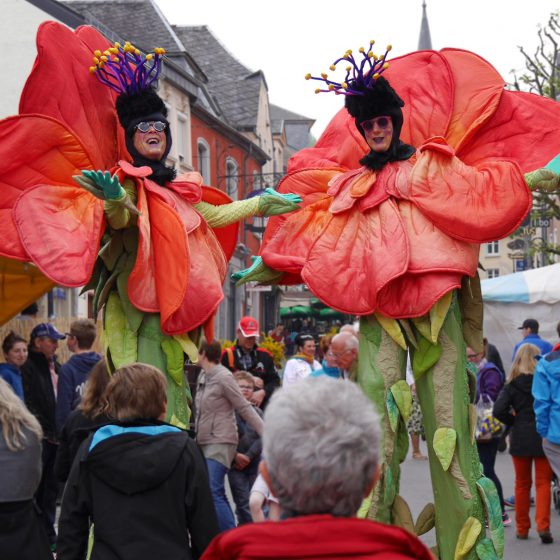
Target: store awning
20 285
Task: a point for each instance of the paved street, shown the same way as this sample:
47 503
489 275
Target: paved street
416 489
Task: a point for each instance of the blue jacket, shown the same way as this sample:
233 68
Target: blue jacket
535 339
546 391
12 375
71 380
326 370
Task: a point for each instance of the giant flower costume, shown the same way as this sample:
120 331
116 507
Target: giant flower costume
393 237
156 254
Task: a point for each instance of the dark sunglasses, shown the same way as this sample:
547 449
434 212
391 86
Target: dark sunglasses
158 126
381 122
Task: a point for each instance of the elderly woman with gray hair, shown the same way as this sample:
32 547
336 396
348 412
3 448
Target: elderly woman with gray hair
321 443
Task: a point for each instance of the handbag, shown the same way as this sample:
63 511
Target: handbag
487 426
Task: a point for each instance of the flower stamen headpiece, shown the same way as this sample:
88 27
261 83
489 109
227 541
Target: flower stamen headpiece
360 75
125 69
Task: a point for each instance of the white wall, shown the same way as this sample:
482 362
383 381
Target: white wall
18 28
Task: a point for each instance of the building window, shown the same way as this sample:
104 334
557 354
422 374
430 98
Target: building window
493 272
204 160
182 137
232 178
493 248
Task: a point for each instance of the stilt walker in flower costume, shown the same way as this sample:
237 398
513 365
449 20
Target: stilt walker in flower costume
154 247
398 194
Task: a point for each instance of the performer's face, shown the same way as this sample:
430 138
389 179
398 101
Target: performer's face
378 133
150 144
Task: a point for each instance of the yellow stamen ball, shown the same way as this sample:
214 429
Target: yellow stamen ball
117 44
331 87
332 67
362 49
95 60
324 76
370 55
385 66
375 76
137 52
92 69
317 91
149 57
389 47
308 76
348 68
97 53
372 42
344 85
104 58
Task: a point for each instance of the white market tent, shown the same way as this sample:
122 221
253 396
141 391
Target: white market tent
508 300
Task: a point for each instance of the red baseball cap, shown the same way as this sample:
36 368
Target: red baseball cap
248 326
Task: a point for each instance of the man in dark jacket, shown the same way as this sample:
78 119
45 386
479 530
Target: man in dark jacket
245 355
74 373
40 380
142 483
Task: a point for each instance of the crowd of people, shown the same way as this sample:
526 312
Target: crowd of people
136 486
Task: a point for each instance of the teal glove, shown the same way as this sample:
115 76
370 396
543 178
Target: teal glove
110 186
257 272
272 203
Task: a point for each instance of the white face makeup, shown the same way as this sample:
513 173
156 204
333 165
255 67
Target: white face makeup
378 133
150 144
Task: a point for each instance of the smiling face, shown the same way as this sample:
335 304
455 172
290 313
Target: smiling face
17 354
378 133
150 144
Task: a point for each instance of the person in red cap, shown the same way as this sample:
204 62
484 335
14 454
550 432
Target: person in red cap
245 355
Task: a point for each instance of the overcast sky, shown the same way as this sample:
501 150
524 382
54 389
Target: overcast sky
288 38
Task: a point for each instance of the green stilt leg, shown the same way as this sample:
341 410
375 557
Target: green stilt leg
443 394
381 366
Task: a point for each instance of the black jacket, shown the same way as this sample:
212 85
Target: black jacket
76 429
516 397
38 391
146 493
262 365
250 443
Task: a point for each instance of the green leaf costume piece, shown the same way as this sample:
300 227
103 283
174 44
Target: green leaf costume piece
485 550
426 520
402 517
392 411
121 341
467 537
403 398
425 356
491 501
445 440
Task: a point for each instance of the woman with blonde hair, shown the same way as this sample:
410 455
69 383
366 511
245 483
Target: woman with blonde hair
88 416
22 534
514 407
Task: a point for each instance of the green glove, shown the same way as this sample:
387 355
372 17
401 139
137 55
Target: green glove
543 180
257 272
110 186
272 203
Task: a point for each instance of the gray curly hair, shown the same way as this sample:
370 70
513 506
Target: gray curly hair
321 445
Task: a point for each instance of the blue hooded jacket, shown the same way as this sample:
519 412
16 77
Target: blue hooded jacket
71 380
12 375
546 391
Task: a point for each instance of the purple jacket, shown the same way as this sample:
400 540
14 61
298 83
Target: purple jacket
489 382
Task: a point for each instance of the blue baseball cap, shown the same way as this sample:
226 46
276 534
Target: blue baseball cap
46 329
